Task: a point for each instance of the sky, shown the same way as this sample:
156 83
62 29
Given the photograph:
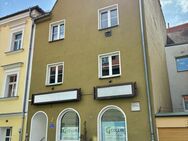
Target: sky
11 6
175 11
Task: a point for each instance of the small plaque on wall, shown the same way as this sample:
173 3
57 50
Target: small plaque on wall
135 106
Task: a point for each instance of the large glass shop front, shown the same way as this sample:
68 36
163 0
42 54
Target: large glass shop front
69 130
112 126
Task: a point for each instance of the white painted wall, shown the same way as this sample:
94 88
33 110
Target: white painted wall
178 80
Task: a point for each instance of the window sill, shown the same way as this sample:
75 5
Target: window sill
106 77
56 84
100 29
51 41
181 71
8 98
14 52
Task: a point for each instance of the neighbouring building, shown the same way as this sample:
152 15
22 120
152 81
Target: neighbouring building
15 48
173 126
98 71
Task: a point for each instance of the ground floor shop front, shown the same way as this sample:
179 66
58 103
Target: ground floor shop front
89 119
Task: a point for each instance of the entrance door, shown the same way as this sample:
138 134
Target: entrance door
39 127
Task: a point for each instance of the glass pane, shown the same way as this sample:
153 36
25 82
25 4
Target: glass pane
8 132
9 91
52 74
104 19
115 60
54 32
113 16
182 64
52 79
60 73
52 70
105 66
113 126
15 45
18 36
61 31
69 127
12 78
115 65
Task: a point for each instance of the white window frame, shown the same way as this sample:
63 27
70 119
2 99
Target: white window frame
57 23
186 110
58 125
110 64
107 9
3 137
12 34
56 75
7 74
100 116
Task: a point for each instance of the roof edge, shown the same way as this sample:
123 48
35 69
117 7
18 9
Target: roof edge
24 11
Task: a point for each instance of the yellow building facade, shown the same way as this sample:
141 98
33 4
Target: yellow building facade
16 33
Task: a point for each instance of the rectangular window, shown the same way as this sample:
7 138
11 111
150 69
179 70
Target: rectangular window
109 65
57 30
11 85
54 74
16 41
5 134
185 102
108 17
182 63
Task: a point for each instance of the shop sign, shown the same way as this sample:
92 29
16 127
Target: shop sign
70 134
123 90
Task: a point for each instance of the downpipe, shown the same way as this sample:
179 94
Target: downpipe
148 94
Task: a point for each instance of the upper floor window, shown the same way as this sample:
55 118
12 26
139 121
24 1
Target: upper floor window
11 85
108 17
16 41
109 65
11 73
57 30
182 63
54 74
5 134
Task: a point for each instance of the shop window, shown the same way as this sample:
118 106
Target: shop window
68 126
112 125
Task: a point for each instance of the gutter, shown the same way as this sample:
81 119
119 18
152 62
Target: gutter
28 73
146 66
